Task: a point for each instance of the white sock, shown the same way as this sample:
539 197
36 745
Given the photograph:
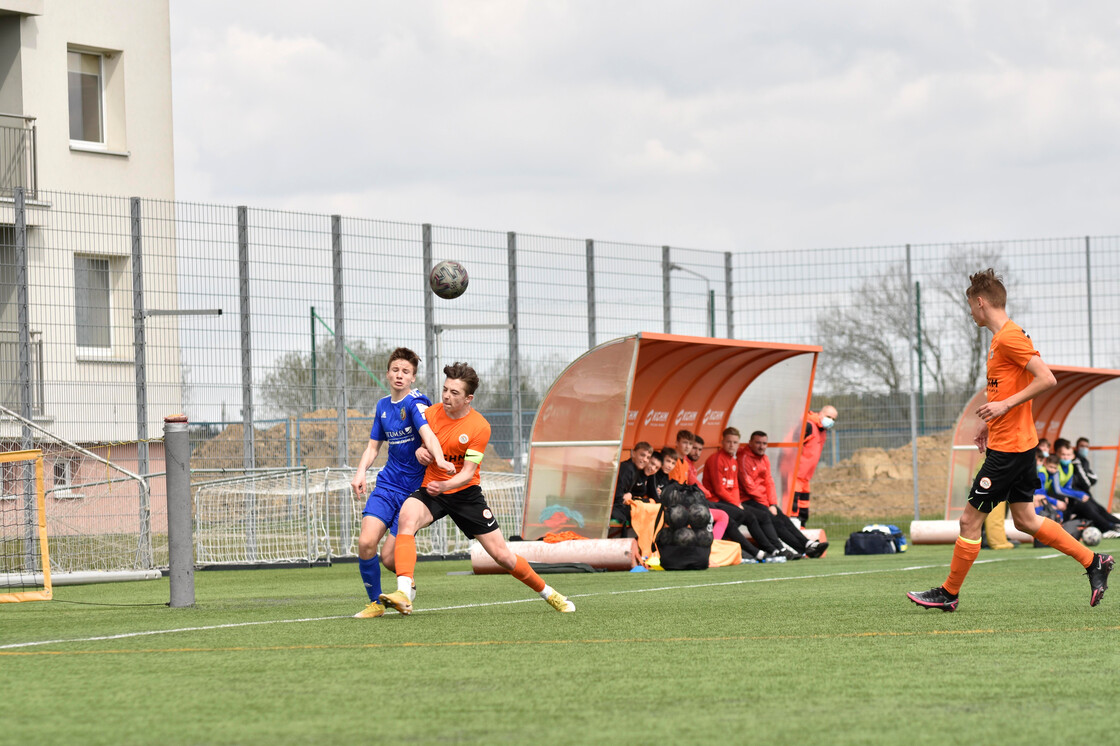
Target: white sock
760 556
546 591
404 583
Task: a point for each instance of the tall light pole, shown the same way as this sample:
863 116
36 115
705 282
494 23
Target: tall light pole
711 296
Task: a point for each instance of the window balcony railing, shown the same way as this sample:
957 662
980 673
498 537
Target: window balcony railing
18 167
9 372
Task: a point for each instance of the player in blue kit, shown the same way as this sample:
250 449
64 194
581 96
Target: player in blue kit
400 420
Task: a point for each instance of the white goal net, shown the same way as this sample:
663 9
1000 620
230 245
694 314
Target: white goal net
299 515
99 515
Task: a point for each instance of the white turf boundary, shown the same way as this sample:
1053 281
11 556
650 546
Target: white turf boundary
233 625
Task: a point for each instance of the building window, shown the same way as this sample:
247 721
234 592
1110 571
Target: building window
11 481
91 302
65 469
87 120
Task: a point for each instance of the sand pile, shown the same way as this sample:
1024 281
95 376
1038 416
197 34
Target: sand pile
878 482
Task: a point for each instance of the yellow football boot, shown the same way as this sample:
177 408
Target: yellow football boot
399 600
374 609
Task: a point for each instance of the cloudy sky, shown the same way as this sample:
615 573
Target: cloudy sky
717 125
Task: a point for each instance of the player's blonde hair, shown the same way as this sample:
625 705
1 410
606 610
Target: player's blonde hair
989 286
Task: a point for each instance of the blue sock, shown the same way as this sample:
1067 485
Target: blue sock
371 576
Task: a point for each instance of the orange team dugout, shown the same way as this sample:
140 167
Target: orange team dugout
645 387
1083 403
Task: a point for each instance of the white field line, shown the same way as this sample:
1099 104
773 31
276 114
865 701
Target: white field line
232 625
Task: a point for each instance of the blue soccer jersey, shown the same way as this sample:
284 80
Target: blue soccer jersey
399 423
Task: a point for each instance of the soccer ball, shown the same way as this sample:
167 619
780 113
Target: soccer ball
1091 536
448 279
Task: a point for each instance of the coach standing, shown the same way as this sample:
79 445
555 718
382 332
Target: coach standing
817 425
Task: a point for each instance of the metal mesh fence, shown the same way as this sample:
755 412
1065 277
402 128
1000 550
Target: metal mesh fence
270 329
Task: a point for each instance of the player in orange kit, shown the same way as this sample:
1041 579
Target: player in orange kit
1016 374
463 434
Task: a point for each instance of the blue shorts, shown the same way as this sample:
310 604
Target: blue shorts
385 505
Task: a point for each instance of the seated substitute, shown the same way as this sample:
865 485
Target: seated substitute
1082 455
685 470
721 477
1066 485
1044 503
463 434
632 482
758 494
652 470
661 478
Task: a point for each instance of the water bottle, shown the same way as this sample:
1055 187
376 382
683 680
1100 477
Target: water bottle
779 558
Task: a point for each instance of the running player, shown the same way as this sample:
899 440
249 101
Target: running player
1016 374
463 434
399 419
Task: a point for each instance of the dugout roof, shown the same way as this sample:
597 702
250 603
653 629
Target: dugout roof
645 387
1083 404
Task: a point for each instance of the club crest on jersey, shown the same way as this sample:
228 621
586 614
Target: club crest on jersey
985 482
463 438
402 413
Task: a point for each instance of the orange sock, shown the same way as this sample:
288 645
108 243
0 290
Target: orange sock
1053 535
405 555
522 572
965 552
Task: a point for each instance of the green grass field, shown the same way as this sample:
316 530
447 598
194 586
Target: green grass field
827 651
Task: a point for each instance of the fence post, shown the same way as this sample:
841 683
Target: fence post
343 441
139 347
913 393
729 294
431 380
248 456
590 293
23 319
514 355
138 339
921 366
23 314
1089 298
314 364
666 294
180 542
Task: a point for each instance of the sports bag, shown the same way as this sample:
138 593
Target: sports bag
685 541
869 542
674 557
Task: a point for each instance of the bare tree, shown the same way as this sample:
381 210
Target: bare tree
287 387
866 344
967 342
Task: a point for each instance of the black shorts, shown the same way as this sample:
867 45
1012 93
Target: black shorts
467 508
1004 476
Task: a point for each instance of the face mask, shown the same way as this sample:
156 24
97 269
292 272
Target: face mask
1045 452
1065 461
1083 452
827 422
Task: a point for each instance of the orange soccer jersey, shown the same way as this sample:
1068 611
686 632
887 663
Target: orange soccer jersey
1008 356
462 440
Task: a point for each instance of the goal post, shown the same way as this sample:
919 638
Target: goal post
25 568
